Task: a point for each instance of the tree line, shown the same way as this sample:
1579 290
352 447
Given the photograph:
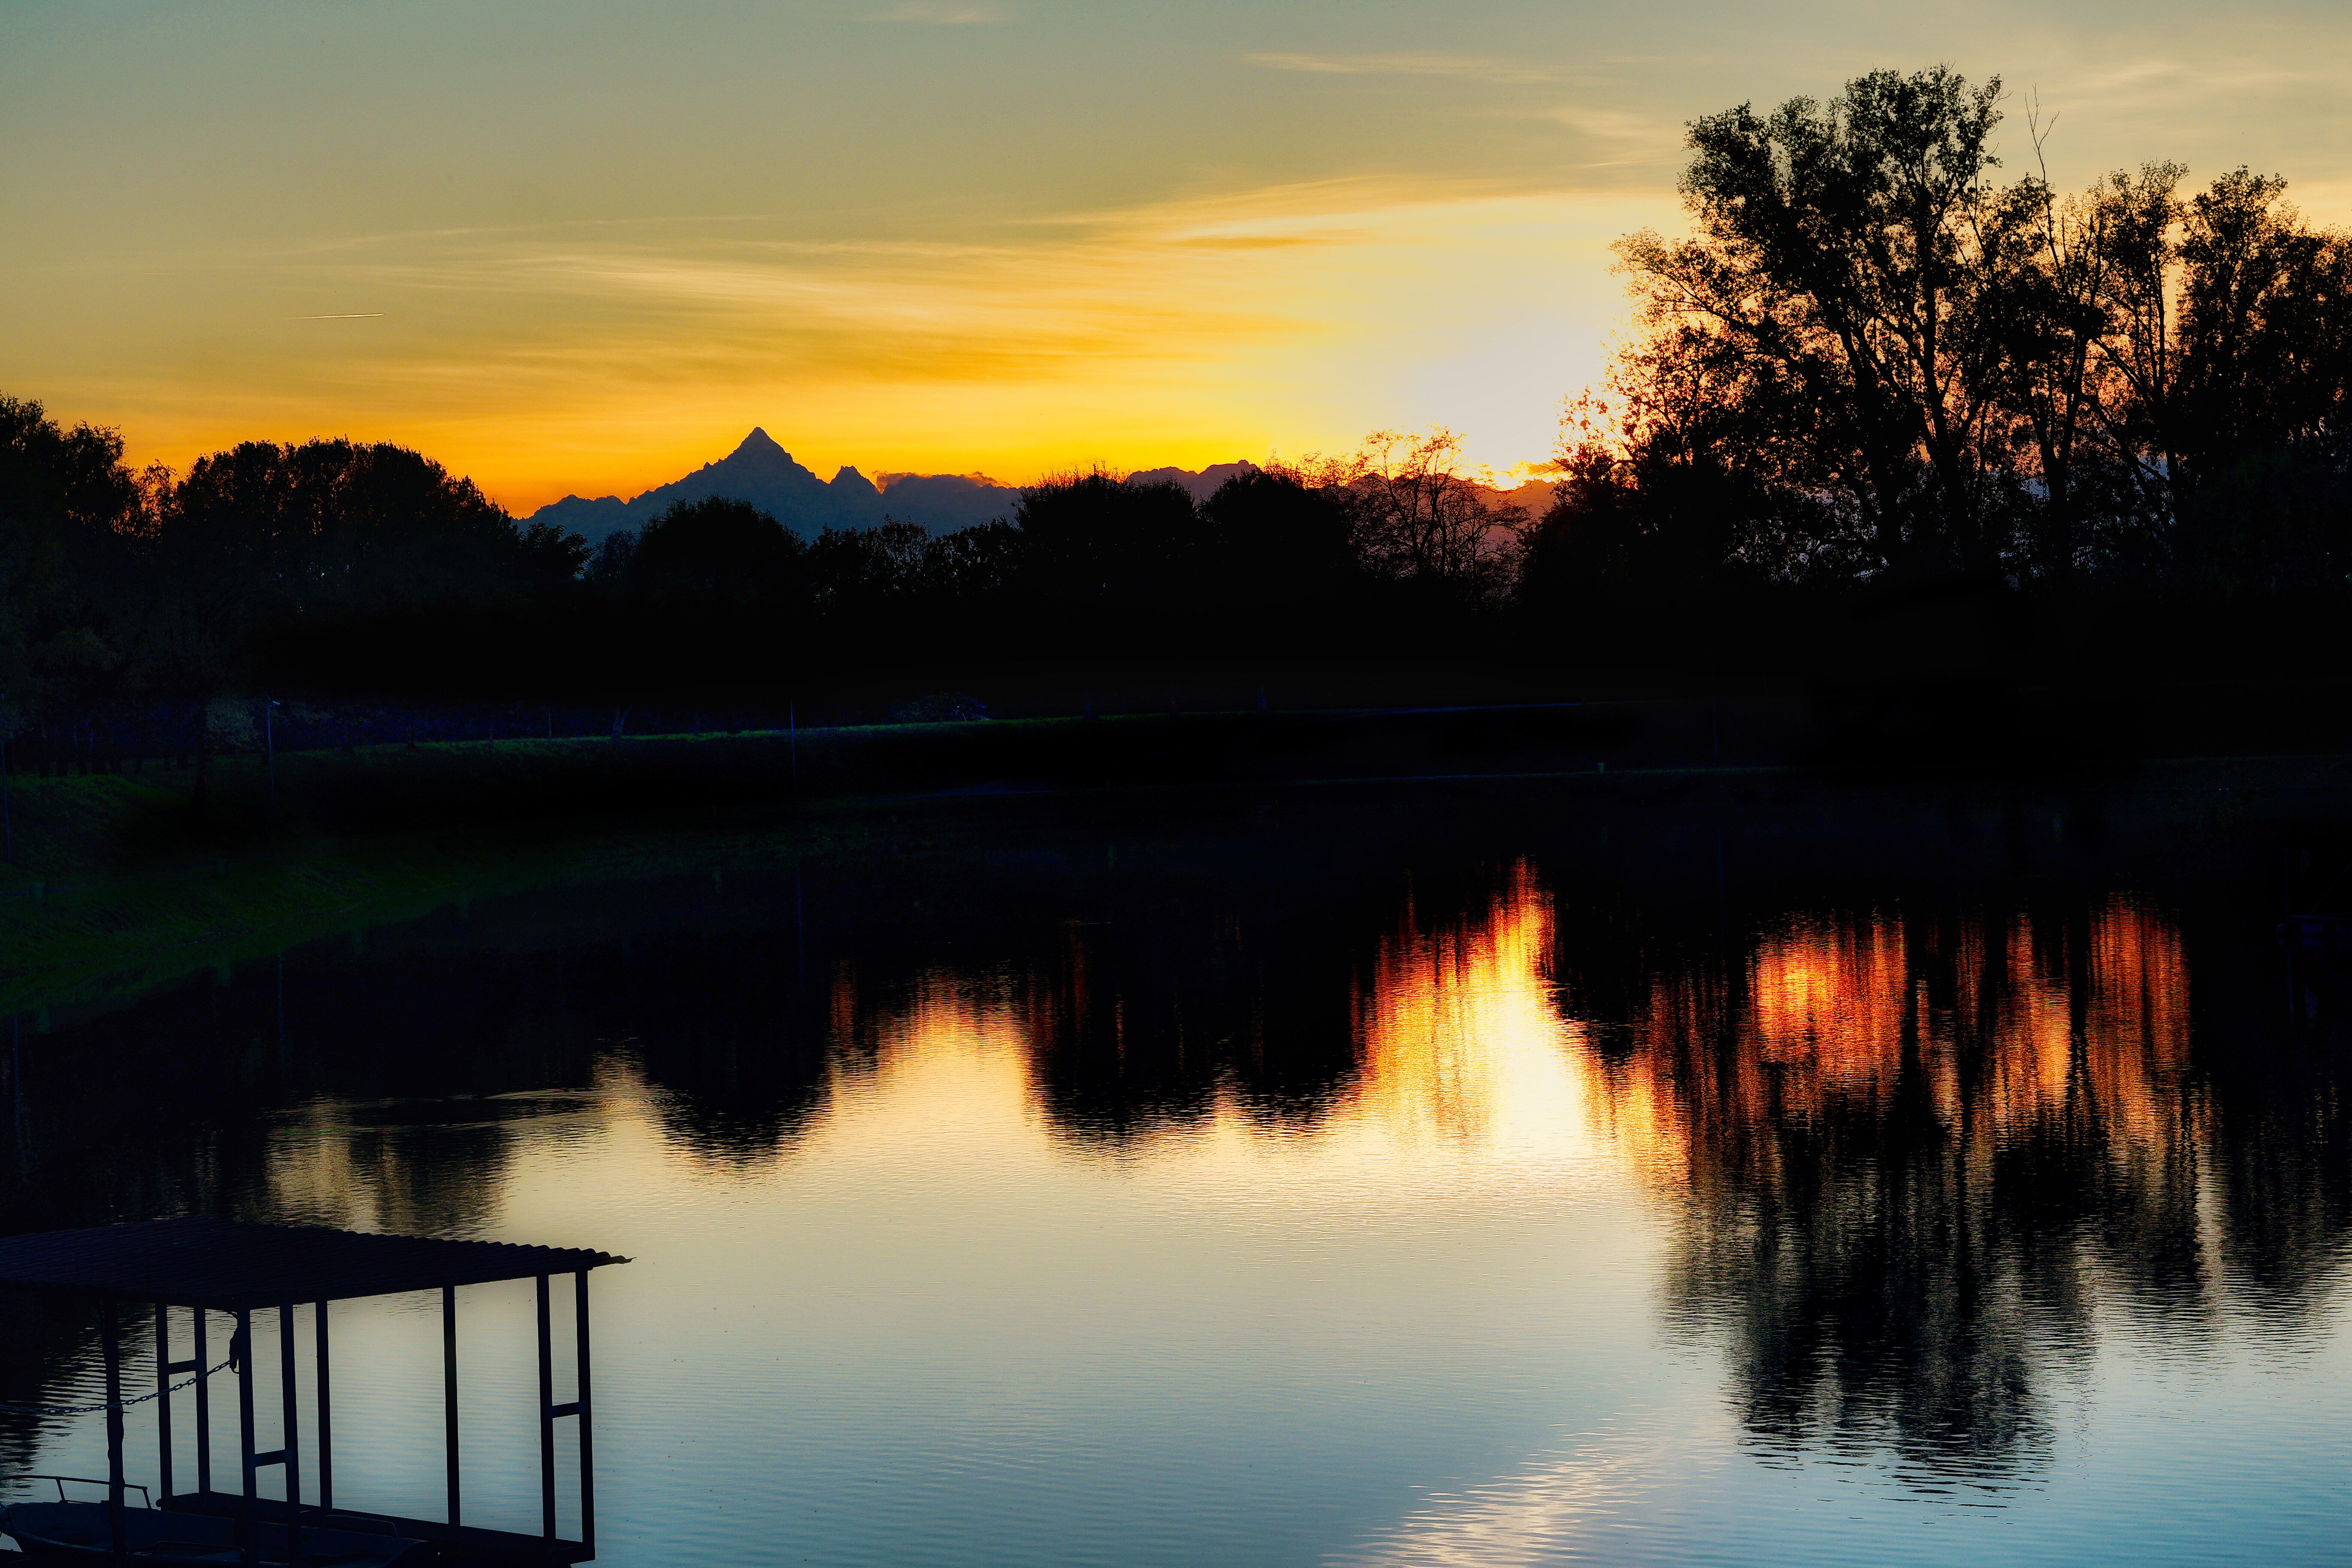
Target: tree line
1870 370
130 601
1872 361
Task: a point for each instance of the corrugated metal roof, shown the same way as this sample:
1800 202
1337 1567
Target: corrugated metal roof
200 1262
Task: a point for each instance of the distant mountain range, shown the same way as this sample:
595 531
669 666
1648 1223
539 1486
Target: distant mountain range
762 473
1199 486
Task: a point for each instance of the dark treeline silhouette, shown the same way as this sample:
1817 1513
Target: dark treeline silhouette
1873 365
129 602
334 569
1888 418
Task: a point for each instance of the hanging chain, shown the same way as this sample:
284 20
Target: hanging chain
105 1405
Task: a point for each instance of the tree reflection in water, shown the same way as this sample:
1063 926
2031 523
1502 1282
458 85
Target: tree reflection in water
1137 1020
1915 1160
1918 1160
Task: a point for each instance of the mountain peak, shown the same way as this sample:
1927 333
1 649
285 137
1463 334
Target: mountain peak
759 443
762 473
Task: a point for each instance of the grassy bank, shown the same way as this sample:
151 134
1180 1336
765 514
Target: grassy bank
121 882
97 938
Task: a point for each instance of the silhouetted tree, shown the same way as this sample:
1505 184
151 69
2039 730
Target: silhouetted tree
73 531
1271 538
973 564
2058 268
1870 362
1092 540
1837 261
1417 518
344 564
712 553
2235 401
866 568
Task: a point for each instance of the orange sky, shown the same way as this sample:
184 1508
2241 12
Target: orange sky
585 246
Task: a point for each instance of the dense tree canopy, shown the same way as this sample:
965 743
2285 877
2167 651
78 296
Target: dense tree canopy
1871 358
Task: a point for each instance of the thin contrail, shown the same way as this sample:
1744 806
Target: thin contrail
338 316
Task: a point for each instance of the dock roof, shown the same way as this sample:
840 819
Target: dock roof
228 1264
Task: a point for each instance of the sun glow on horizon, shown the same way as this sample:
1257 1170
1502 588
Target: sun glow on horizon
1275 323
586 258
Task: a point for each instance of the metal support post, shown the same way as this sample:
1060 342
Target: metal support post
587 1444
117 1527
291 1415
164 1399
204 1405
326 1414
546 1417
249 1528
449 1389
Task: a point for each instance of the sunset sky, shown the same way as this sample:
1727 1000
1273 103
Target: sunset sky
585 246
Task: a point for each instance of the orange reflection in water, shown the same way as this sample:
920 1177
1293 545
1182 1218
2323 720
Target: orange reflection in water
1830 996
1463 1050
2139 1000
1461 1053
949 1064
1462 1046
2001 1029
1436 1023
2098 1023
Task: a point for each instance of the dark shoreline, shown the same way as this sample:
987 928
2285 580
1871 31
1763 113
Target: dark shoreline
121 885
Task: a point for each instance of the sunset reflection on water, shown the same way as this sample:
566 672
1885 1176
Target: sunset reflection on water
1983 1022
1482 1220
1904 1159
1456 1061
1464 1047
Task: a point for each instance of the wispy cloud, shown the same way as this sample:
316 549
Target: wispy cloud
2149 75
602 357
1269 241
1614 125
1465 68
942 14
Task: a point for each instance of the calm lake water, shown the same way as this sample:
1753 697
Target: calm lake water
1419 1178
